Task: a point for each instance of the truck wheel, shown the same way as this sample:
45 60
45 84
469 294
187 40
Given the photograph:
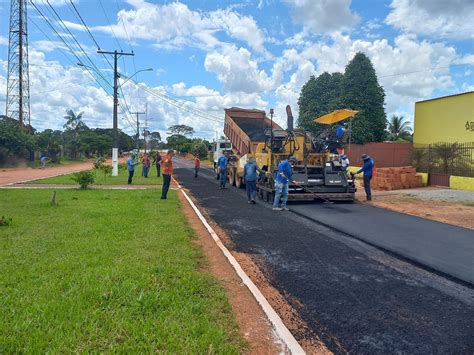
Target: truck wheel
232 174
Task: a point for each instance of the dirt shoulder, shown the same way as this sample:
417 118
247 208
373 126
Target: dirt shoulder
450 212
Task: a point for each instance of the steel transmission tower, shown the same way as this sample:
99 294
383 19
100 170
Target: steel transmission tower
18 84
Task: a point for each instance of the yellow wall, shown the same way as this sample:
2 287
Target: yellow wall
461 183
444 120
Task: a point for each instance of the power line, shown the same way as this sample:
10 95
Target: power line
45 19
44 33
110 25
77 42
180 105
126 33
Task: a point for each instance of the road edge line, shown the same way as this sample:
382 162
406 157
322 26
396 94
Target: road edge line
284 334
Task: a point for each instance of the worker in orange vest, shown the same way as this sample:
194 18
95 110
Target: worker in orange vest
167 165
197 165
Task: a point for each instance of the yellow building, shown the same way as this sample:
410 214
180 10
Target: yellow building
447 119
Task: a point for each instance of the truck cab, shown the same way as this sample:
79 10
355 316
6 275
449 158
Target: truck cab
219 148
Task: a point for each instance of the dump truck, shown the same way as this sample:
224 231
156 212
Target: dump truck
318 175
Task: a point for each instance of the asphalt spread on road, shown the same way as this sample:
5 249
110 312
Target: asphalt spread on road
352 301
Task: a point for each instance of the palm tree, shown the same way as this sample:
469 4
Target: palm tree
399 129
73 122
73 125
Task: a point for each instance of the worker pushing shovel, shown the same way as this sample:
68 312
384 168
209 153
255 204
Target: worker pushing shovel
283 177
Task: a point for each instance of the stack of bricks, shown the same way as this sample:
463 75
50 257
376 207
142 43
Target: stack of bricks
398 178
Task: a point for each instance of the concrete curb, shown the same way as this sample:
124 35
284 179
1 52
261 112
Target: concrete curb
281 330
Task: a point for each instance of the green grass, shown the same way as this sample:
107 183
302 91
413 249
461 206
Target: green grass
106 271
121 179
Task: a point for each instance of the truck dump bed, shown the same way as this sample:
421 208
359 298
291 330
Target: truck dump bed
246 128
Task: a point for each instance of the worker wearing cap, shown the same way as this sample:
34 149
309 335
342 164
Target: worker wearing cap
344 162
222 164
250 178
283 178
367 169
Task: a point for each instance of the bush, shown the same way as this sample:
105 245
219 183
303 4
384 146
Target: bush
106 170
84 178
98 162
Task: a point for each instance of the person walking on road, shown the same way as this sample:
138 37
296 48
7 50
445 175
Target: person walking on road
222 164
250 178
367 169
146 165
197 165
43 160
157 163
283 177
131 167
167 163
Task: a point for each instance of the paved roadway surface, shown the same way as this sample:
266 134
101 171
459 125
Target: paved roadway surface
442 247
356 298
11 176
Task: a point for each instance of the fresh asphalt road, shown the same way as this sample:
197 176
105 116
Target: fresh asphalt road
439 246
354 297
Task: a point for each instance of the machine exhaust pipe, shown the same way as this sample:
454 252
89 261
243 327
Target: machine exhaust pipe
289 121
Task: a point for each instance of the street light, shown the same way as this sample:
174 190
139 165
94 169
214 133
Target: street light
129 77
115 125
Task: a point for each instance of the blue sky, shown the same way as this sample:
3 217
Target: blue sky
209 55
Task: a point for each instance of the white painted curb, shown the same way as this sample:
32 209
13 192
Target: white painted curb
280 328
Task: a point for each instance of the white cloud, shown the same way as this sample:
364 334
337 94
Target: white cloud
437 18
237 71
407 55
3 41
321 16
175 25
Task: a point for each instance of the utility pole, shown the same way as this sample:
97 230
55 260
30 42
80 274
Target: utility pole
145 129
138 128
116 55
18 82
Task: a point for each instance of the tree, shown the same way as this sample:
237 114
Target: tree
177 141
73 126
200 147
398 129
154 139
181 129
362 92
74 122
319 96
15 142
49 142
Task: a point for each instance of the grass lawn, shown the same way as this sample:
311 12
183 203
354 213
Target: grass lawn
106 271
121 179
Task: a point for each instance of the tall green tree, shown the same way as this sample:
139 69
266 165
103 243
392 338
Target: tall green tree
319 96
399 129
15 142
362 92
